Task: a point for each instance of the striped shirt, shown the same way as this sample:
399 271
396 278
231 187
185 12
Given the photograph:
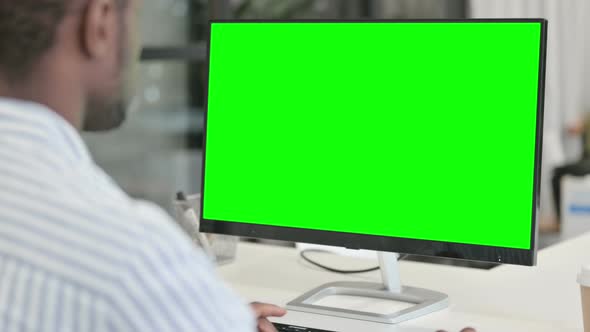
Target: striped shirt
77 254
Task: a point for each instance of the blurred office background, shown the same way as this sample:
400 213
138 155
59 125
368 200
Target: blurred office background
158 151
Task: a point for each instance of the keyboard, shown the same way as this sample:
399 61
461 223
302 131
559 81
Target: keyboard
293 328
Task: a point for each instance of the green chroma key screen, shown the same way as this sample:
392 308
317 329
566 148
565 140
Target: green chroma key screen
415 130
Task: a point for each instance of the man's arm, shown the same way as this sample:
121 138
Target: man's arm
170 285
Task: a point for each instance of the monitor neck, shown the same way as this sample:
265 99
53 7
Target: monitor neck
388 262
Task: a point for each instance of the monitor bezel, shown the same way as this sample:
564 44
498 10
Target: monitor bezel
384 243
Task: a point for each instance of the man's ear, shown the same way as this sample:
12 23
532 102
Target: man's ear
99 28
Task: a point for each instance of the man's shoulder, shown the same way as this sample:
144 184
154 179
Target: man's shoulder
80 216
135 222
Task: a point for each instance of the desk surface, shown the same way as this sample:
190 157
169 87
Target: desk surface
506 298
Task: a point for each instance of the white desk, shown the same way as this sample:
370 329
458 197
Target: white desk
506 298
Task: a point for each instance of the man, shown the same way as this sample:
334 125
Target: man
76 253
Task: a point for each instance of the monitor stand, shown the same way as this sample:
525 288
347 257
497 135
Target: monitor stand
424 301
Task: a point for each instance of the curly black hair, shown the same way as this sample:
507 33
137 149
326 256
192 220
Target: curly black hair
27 30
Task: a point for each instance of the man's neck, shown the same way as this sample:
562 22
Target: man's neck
51 92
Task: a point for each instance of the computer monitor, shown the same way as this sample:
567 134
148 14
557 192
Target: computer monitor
419 137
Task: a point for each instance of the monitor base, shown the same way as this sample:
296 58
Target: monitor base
425 301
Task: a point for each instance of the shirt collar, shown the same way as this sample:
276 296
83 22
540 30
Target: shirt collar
49 126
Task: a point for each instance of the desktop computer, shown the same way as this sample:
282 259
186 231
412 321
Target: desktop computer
416 137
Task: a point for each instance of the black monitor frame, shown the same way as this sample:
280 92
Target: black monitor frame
385 243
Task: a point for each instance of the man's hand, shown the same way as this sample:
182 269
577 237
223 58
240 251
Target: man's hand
262 311
467 329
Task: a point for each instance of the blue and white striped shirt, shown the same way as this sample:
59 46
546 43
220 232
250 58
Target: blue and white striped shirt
77 254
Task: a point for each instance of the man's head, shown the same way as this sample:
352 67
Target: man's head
75 56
